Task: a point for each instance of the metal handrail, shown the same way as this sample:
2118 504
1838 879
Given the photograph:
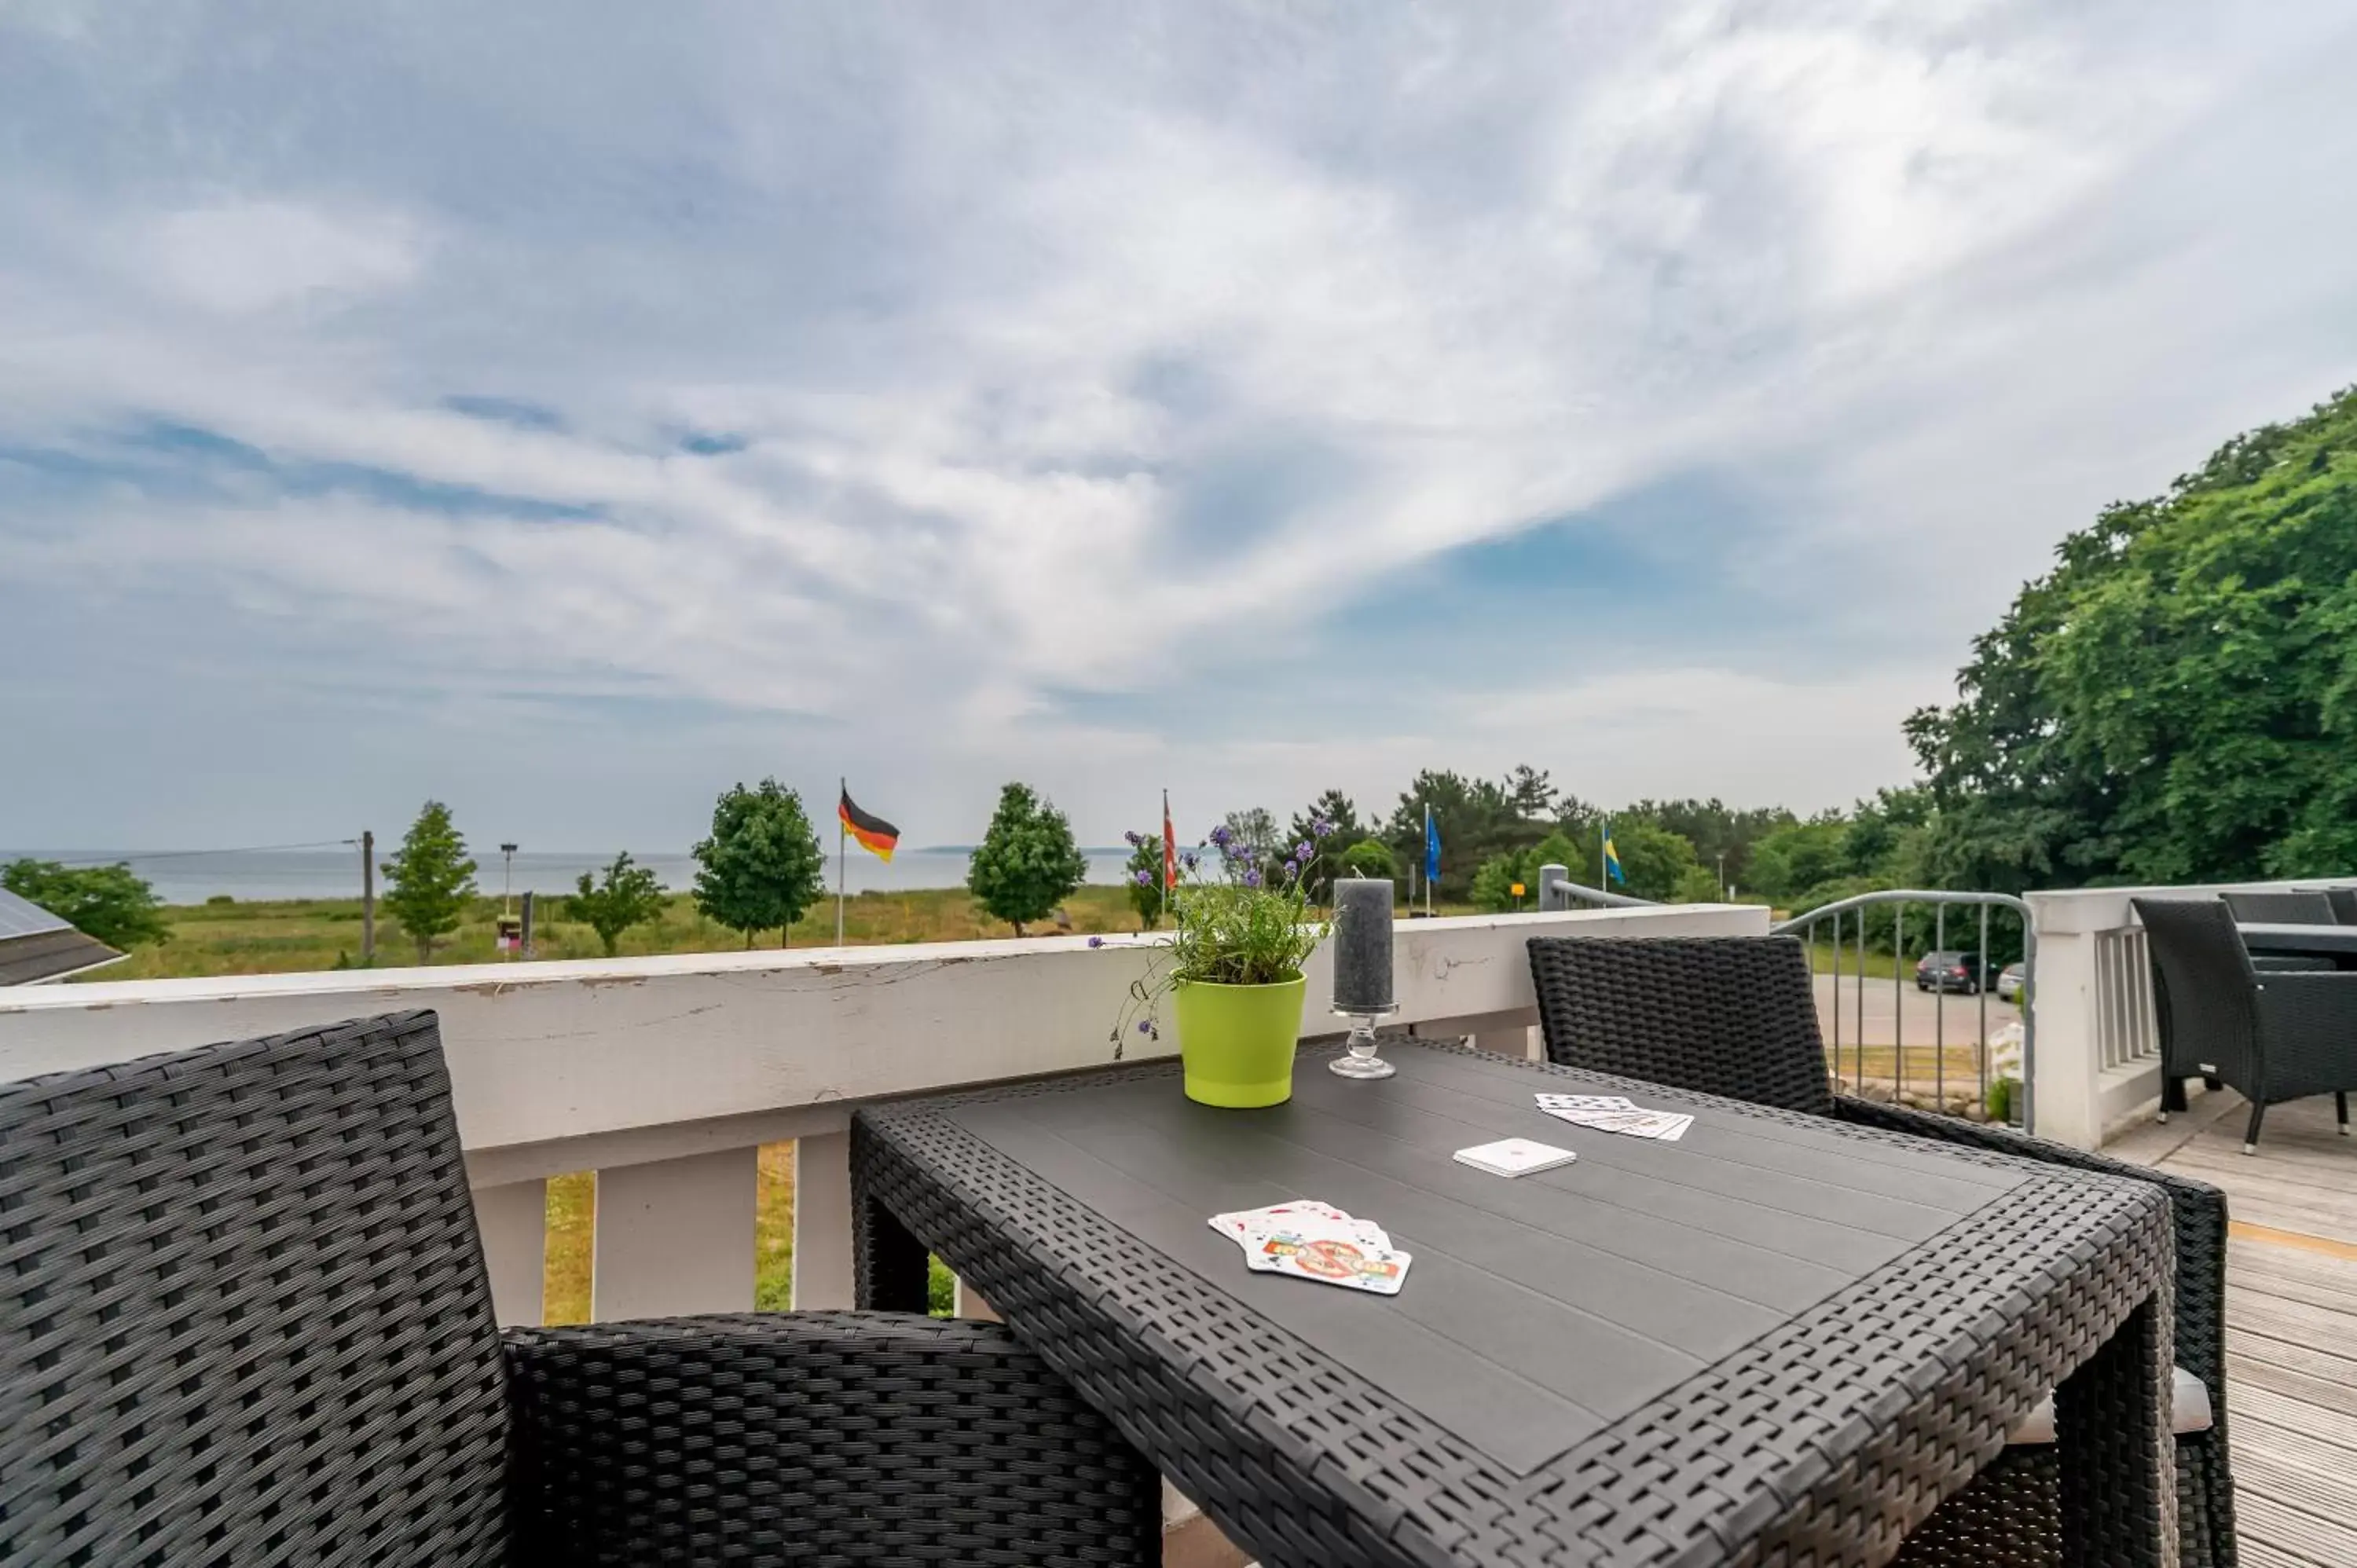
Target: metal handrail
1805 926
1558 891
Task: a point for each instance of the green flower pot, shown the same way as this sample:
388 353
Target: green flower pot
1236 1041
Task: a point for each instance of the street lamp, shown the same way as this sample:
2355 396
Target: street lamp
510 929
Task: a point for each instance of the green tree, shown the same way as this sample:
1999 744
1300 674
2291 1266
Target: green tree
429 879
1340 817
624 897
1254 844
107 902
1653 858
1147 897
2177 699
1479 819
1370 857
1786 864
762 865
1027 863
1493 882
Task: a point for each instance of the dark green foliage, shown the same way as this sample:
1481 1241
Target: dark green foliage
1493 883
2177 699
1147 897
1370 857
762 865
1027 863
625 895
1480 819
1341 816
106 902
1714 829
429 879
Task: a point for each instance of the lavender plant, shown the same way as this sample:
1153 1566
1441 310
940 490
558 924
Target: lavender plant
1257 930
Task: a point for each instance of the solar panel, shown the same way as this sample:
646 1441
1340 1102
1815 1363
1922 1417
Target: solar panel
21 917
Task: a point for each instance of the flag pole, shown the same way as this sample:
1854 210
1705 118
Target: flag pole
1165 877
1603 845
842 852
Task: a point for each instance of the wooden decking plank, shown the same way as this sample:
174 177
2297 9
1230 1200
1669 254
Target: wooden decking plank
2266 1258
2317 1393
2257 1553
2284 1409
2250 1314
2297 1449
2309 1287
2235 1170
2261 1517
2331 1498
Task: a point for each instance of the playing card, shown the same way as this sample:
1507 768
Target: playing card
1304 1216
1330 1260
1669 1124
1585 1103
1514 1156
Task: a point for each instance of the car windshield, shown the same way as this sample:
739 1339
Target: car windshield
1948 958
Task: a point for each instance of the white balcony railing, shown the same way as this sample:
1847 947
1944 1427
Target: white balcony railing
2098 1061
666 1075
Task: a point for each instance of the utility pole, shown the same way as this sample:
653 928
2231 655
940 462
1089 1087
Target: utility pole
368 896
1722 877
510 929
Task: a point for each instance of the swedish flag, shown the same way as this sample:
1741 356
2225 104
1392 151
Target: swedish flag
1612 857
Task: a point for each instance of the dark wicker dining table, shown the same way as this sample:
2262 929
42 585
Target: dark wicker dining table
1778 1338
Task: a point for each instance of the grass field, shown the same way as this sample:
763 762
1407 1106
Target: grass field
301 934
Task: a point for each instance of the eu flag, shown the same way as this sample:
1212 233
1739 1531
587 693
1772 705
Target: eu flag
1431 848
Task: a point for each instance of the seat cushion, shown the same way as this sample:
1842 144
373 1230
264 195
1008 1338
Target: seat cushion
2189 1412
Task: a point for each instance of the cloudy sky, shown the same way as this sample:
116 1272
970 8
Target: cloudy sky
567 410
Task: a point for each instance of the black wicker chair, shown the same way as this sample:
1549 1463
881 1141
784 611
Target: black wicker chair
244 1320
2290 909
1737 1017
2270 1034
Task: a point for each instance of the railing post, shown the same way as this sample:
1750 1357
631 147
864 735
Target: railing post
2068 1063
512 1219
822 1271
675 1237
1551 895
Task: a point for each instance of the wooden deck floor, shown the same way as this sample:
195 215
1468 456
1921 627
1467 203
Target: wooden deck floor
2291 1317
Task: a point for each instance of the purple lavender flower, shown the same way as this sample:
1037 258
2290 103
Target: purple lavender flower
1133 840
1251 876
1322 826
1189 860
1303 851
1146 1025
1291 871
1096 941
1144 879
1221 836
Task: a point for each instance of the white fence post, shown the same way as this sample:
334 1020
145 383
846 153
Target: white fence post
822 1273
675 1237
512 1218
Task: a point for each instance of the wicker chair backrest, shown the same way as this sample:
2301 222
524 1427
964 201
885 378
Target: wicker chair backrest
2209 1012
2344 904
243 1313
1731 1015
2281 908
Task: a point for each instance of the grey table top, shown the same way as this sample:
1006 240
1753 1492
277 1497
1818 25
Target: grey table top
2273 937
1538 1308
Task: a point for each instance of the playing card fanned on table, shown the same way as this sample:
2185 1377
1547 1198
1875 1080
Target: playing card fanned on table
1311 1239
1616 1113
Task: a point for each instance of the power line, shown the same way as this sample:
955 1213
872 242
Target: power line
183 853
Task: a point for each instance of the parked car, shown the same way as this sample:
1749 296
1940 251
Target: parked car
2009 982
1964 971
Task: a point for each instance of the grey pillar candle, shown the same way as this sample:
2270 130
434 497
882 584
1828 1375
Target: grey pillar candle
1362 944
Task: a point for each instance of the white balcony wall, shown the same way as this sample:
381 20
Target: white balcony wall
674 1068
2098 1059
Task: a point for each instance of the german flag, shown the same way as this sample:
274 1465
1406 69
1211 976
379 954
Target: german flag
875 835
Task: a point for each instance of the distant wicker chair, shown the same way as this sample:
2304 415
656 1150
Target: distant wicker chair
1737 1017
2270 1034
244 1320
2284 909
2344 904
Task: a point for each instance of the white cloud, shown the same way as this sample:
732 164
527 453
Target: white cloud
245 256
1099 357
